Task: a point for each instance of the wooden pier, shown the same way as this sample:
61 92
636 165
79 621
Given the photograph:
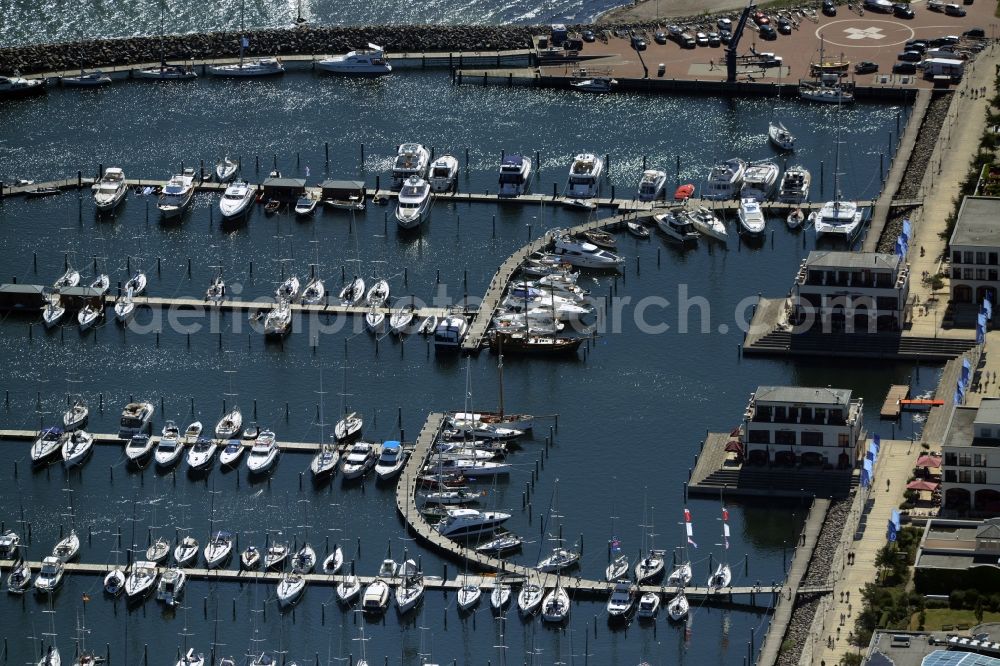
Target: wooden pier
892 407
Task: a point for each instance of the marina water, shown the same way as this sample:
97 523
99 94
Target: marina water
632 408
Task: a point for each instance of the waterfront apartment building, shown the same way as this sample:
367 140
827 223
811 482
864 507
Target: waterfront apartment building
975 251
970 469
793 425
851 291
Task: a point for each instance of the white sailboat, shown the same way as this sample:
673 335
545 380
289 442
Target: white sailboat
723 575
837 218
245 68
650 567
681 575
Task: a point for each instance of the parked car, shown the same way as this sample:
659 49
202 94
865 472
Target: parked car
713 39
829 8
638 43
902 10
904 68
725 24
784 26
589 36
768 32
948 40
660 37
701 39
725 36
910 56
954 10
917 45
760 18
974 33
935 5
675 30
866 67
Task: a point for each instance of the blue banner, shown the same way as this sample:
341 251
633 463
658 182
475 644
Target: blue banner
987 307
966 371
891 532
980 333
907 229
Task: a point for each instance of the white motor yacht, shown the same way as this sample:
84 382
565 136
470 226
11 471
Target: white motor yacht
237 200
376 597
460 523
358 461
555 605
177 195
192 433
585 255
110 190
171 586
826 94
263 454
141 579
411 160
413 203
676 227
17 86
231 453
443 174
76 447
677 608
135 418
584 180
724 180
230 424
759 180
139 447
649 605
779 136
306 206
515 176
795 184
450 332
622 600
48 443
838 219
50 574
707 223
218 549
795 219
202 453
598 84
651 184
751 217
370 61
391 461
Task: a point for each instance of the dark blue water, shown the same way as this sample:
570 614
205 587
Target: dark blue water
632 409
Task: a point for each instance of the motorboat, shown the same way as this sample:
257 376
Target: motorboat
186 551
230 424
681 576
348 589
707 223
559 559
218 549
276 555
376 597
618 568
779 136
724 180
114 582
529 598
139 447
598 84
413 203
237 200
402 319
391 460
125 307
795 219
101 283
17 86
450 332
10 541
649 605
278 320
19 577
353 292
263 454
53 310
443 174
501 544
76 416
358 461
141 580
304 559
290 589
192 433
751 217
135 419
584 177
650 567
468 595
515 176
469 467
166 72
110 190
88 315
324 463
50 574
251 432
177 195
676 227
759 180
428 325
677 608
226 169
272 206
136 284
171 586
585 255
410 592
600 238
289 289
837 218
411 161
622 600
305 206
70 278
333 561
555 605
92 79
76 447
47 444
231 453
795 184
314 292
462 522
348 427
378 294
370 61
500 596
651 184
216 291
250 558
245 68
201 454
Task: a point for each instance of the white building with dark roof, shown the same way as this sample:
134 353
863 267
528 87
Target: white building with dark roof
975 251
970 468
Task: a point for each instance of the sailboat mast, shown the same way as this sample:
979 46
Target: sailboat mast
500 373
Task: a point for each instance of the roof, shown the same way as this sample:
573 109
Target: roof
803 394
958 658
343 184
514 159
390 444
852 260
990 529
285 182
988 412
976 225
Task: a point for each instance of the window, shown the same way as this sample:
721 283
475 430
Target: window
985 433
979 476
812 439
980 273
759 437
950 459
956 257
965 460
968 273
980 257
993 259
968 257
843 440
780 413
992 273
979 460
784 437
956 272
965 476
949 476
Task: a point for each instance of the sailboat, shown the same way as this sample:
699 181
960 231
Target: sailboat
561 557
51 655
410 591
324 463
350 425
837 218
618 567
255 67
650 567
722 576
555 606
819 89
777 133
164 71
681 576
529 598
83 656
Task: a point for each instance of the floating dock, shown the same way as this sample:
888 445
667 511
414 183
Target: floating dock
891 407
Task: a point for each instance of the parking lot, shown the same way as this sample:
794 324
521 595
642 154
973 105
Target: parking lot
853 35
